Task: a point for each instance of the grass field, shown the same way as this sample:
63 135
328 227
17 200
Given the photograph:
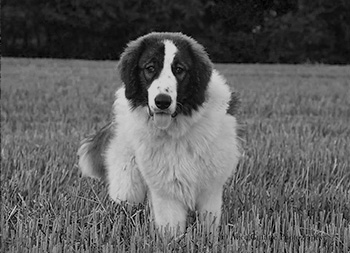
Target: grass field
291 192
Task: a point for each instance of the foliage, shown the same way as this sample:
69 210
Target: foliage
290 193
232 31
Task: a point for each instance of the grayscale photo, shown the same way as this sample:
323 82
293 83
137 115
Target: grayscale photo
175 126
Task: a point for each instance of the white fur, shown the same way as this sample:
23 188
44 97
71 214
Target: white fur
182 167
166 82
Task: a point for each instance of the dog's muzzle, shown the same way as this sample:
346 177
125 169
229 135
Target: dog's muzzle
162 101
161 114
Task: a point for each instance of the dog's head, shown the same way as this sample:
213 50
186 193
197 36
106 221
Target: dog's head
168 73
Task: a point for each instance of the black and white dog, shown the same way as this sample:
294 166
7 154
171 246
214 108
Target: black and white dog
174 132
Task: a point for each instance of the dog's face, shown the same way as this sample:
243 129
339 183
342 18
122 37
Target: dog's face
167 73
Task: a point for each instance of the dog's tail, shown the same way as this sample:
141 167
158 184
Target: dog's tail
91 152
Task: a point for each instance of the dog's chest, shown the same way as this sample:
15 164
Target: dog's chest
175 167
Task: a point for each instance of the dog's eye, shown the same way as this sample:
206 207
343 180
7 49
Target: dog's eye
179 70
149 72
150 69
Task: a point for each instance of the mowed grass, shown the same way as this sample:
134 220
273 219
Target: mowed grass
291 192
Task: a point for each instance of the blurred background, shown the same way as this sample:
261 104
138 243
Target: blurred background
237 31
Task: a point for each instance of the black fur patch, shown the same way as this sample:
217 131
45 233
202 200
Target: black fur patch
192 90
129 73
97 144
132 62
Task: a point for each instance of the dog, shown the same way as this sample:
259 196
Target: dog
174 136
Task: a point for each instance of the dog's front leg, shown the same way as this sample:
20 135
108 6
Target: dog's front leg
169 214
209 206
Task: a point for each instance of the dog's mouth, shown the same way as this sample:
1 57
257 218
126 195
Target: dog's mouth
161 118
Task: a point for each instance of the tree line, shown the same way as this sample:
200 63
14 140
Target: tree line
241 31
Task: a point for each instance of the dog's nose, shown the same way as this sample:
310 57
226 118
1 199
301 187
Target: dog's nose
162 101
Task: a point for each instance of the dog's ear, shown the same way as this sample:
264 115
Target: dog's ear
200 74
128 67
203 66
